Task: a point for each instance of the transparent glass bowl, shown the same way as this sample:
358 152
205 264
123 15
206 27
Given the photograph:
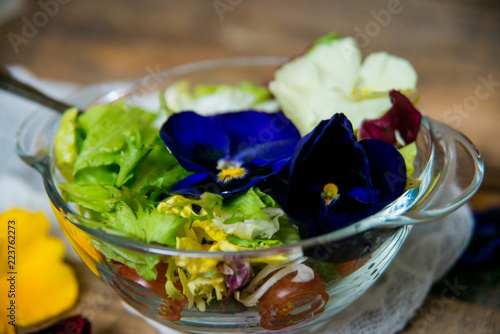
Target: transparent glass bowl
345 262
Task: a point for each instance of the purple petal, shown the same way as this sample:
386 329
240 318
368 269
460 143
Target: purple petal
330 154
196 184
261 143
329 134
364 194
267 152
361 171
402 118
249 129
197 142
388 170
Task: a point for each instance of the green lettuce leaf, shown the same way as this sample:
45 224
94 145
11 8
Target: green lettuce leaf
100 175
212 99
159 170
268 200
256 243
113 137
327 271
148 226
287 233
249 215
245 206
100 201
143 263
95 197
135 153
261 93
66 142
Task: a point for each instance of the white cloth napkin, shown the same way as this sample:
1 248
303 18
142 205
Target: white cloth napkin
386 307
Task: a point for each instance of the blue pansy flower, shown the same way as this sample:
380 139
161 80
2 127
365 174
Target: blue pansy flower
228 152
333 180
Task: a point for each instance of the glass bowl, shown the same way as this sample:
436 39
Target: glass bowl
334 269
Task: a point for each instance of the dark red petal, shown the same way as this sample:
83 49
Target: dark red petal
74 325
401 117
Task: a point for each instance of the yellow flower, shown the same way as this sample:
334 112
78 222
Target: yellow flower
208 231
45 286
194 265
176 205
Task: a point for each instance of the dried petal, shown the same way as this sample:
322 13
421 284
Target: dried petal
73 325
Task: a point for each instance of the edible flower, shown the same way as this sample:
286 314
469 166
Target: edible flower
45 286
398 126
228 152
330 78
335 180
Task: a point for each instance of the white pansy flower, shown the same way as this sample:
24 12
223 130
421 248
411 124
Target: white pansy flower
331 79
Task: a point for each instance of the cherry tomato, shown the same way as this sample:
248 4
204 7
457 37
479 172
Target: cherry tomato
157 286
171 308
288 303
347 268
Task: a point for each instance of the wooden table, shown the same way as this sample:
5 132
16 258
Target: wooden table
454 46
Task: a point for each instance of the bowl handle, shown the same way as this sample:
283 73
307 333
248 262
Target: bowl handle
34 138
457 173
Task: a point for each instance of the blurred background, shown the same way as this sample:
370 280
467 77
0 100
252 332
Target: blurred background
454 46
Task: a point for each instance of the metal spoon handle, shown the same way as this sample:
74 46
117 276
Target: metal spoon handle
10 84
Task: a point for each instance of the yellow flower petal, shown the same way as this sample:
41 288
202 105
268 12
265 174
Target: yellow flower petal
45 290
45 286
226 246
194 265
208 231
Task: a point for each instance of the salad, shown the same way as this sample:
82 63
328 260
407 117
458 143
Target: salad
330 140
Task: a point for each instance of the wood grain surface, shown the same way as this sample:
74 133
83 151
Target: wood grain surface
453 44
